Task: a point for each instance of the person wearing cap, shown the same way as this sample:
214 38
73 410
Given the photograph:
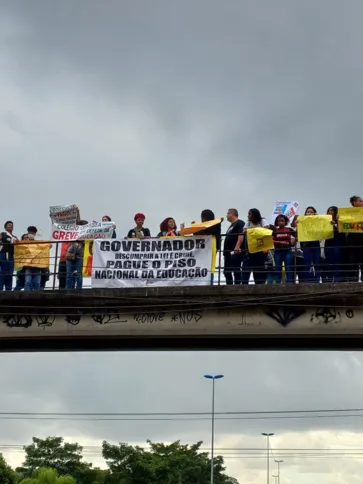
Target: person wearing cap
139 232
7 239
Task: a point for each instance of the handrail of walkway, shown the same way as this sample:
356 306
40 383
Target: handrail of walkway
313 263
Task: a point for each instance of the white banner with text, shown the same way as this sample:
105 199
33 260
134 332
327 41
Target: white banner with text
91 231
174 261
63 214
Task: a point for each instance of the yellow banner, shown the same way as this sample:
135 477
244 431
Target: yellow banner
259 239
350 219
29 253
197 227
312 228
87 258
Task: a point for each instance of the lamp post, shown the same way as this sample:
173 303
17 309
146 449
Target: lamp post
278 462
213 378
268 435
276 478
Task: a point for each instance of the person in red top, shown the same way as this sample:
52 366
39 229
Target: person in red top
283 237
62 267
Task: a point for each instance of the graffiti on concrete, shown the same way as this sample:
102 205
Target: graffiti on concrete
44 320
330 315
108 317
17 320
149 318
185 317
284 316
73 319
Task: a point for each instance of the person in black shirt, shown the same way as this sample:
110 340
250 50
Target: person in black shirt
355 247
139 232
232 249
215 231
7 240
334 250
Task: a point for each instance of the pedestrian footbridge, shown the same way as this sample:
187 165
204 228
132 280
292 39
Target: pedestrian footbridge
306 317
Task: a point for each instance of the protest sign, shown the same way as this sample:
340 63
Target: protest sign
259 239
198 227
87 258
312 228
174 261
63 214
289 209
31 254
350 219
91 231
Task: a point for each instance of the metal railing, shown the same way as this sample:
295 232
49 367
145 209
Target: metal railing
311 263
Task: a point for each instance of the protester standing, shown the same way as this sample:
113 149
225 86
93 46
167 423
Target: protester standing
106 218
32 274
139 232
355 247
74 263
334 250
312 253
232 248
255 263
215 231
283 237
7 240
168 228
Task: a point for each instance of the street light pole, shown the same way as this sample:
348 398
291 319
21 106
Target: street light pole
268 435
276 478
278 462
213 378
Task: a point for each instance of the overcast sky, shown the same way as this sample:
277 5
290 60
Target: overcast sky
168 108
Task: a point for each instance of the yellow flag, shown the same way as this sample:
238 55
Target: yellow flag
350 219
87 258
311 228
214 255
259 239
31 254
197 227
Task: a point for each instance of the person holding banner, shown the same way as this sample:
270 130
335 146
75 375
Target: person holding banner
106 218
215 231
283 240
32 274
312 253
334 250
255 263
168 228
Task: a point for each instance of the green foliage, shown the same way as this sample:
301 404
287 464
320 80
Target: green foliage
53 461
48 476
53 453
7 475
161 464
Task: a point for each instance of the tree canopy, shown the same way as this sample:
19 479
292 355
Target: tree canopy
7 475
54 461
161 464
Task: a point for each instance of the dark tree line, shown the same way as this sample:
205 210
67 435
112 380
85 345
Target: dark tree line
53 461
